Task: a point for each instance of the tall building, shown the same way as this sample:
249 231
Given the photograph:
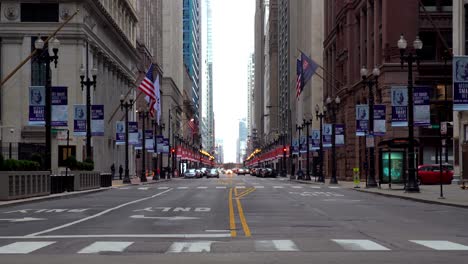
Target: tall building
110 28
219 151
241 141
365 33
250 100
258 109
192 50
207 98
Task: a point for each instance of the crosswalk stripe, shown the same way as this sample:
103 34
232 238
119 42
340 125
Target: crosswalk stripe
359 244
24 247
296 187
202 187
275 245
440 244
124 188
333 187
220 187
182 187
105 246
201 246
259 187
163 188
278 187
143 188
315 187
240 187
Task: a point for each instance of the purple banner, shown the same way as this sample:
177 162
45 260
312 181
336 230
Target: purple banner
59 106
362 119
132 133
303 145
159 144
97 120
422 108
399 106
460 83
37 105
120 132
165 146
379 120
327 135
339 135
79 120
295 147
315 139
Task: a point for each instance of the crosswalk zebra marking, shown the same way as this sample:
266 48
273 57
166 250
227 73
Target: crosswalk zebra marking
440 244
275 245
24 247
359 244
105 246
163 188
202 187
182 187
200 246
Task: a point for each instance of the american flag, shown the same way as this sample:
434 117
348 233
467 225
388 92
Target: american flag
299 78
192 125
147 87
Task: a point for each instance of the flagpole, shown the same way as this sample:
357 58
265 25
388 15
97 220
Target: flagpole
324 70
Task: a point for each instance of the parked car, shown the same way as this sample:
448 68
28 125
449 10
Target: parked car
430 174
259 172
246 170
190 173
212 173
240 172
204 171
199 173
268 172
228 171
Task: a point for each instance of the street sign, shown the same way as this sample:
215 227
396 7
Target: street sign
356 178
443 128
370 141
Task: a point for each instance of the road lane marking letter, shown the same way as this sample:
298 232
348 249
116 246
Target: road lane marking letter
105 246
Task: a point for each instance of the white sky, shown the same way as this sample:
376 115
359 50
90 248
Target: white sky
233 41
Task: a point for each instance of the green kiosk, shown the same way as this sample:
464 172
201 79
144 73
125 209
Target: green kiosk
393 155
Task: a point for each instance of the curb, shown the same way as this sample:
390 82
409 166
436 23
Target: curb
412 198
141 183
53 197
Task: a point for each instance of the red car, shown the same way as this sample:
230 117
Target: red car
430 174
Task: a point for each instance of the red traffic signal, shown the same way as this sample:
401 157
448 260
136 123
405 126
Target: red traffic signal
285 150
173 150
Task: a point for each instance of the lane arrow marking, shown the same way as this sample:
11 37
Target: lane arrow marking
24 219
174 218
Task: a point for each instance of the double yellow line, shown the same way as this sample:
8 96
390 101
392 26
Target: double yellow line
232 220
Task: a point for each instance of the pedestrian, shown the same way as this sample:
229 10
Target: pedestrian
113 170
120 171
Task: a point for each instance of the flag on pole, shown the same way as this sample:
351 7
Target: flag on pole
192 125
157 104
309 67
299 78
147 85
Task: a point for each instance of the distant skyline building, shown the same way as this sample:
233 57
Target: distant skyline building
241 141
219 151
250 94
191 18
207 86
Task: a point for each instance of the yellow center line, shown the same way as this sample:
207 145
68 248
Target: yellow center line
242 218
232 221
242 193
245 193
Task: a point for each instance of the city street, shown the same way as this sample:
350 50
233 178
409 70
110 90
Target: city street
232 219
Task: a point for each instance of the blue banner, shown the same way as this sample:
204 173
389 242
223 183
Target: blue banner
327 135
362 119
460 83
339 135
120 132
399 106
379 120
36 105
59 106
295 147
303 144
315 139
79 120
132 133
159 144
97 120
422 107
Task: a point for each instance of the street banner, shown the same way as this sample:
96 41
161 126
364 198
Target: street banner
59 106
362 119
399 106
422 108
149 141
97 120
36 105
165 149
132 133
120 133
327 135
379 120
303 145
295 147
159 144
460 83
79 120
315 139
339 135
139 145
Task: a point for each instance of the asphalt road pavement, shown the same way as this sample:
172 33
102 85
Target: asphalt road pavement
234 219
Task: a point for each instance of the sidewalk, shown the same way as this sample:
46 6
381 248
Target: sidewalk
453 194
115 184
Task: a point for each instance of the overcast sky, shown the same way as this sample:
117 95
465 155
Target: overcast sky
233 41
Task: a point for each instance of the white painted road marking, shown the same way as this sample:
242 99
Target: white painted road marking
315 187
163 188
240 187
24 247
296 187
275 245
278 187
24 219
105 246
124 188
440 244
123 236
143 188
259 187
182 187
333 187
202 187
173 218
201 246
96 215
220 187
359 244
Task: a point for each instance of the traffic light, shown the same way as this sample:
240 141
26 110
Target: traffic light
172 151
285 150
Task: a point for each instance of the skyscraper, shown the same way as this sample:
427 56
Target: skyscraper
207 97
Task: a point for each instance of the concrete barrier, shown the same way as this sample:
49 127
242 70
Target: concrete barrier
86 180
23 184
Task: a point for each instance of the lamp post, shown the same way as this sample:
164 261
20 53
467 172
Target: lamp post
88 83
333 106
283 138
299 172
307 124
410 58
45 57
143 114
320 117
371 182
126 106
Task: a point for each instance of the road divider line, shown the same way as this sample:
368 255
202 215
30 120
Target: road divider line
232 221
246 193
242 218
96 215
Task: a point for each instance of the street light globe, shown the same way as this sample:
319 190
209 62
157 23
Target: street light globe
39 43
54 43
376 71
82 70
94 71
329 100
12 130
317 108
417 43
130 98
402 43
337 100
363 71
122 98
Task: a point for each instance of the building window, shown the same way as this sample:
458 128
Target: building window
39 12
429 50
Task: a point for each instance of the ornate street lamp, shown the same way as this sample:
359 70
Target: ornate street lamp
143 114
333 106
410 58
320 117
126 105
